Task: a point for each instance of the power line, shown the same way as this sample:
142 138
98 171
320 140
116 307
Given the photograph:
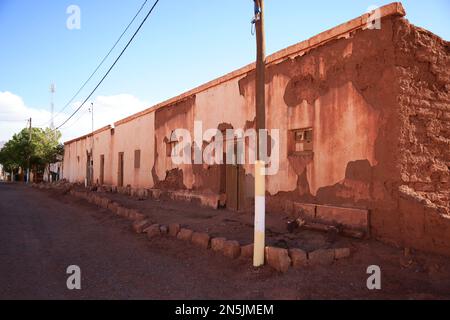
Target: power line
112 66
100 64
76 120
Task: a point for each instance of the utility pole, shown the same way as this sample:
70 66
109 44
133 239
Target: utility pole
92 118
260 185
91 169
29 156
52 104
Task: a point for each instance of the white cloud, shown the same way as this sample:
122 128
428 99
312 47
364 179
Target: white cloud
107 110
14 114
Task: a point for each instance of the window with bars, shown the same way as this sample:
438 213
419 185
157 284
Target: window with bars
301 141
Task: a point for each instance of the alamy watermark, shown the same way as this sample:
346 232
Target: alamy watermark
74 280
374 280
73 21
238 146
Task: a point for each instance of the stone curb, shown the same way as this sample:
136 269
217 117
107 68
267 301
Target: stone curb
277 258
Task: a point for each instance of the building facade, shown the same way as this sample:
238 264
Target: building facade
363 115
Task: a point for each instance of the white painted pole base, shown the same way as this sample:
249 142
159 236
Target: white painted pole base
260 214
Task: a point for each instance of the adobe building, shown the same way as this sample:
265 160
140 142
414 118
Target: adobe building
364 119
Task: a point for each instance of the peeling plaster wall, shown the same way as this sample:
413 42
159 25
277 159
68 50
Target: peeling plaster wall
177 116
377 101
219 108
345 130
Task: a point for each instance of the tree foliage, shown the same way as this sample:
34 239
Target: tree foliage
42 149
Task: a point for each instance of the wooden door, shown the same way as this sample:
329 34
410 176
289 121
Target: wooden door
102 169
120 171
235 187
231 187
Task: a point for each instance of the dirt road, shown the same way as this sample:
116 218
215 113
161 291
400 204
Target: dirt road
41 234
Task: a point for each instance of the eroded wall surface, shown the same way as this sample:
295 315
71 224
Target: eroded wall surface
423 64
377 102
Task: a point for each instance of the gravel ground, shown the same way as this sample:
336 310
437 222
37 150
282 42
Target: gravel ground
43 232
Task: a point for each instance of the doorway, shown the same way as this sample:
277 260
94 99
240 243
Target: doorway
234 178
235 175
102 169
89 169
120 171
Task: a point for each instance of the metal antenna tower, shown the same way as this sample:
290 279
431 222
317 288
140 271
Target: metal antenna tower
52 104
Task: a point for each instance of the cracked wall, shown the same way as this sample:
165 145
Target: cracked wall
378 104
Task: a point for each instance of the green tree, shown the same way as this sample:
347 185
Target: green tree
37 152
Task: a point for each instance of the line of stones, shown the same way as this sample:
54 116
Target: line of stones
278 258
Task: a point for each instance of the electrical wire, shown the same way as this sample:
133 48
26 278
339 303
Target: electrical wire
76 120
99 65
112 66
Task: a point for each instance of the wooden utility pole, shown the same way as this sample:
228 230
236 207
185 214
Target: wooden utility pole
260 187
260 69
29 156
91 158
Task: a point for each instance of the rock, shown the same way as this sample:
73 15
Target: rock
134 214
185 234
174 228
247 251
200 239
105 203
155 193
142 194
278 258
321 257
140 225
231 249
153 231
90 198
298 257
341 253
98 200
123 212
217 244
164 229
139 216
113 207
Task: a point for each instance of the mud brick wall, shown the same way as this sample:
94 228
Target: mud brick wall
423 63
377 102
424 103
402 73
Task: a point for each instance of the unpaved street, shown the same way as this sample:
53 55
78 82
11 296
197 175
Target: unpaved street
42 233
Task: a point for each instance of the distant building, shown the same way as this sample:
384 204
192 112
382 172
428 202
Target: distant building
53 171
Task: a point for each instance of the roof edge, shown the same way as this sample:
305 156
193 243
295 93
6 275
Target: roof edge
89 134
359 23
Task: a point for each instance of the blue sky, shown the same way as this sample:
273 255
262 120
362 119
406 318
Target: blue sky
182 45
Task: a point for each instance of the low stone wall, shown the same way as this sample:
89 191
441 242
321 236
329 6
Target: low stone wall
209 200
278 258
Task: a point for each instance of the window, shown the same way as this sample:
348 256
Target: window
170 145
137 159
301 140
